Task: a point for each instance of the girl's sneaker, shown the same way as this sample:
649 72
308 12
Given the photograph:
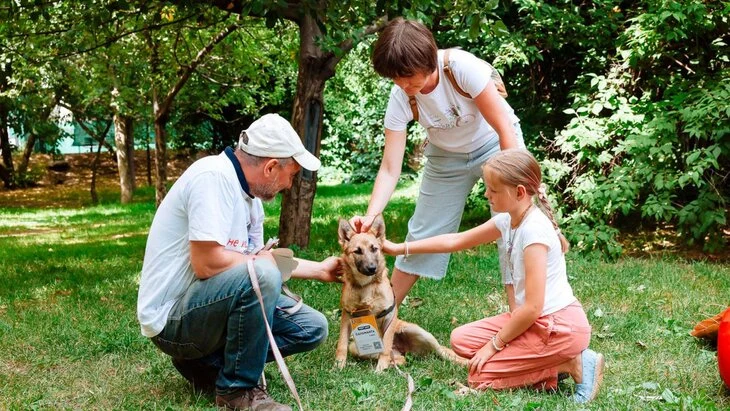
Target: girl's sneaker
593 364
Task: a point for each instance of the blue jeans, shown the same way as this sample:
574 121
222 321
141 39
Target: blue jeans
218 323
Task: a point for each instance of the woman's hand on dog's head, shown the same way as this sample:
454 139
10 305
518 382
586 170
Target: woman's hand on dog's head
362 223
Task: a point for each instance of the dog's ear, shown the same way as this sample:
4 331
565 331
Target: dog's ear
378 227
345 232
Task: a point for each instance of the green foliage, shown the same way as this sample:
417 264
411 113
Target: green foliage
637 100
627 107
252 72
353 138
652 148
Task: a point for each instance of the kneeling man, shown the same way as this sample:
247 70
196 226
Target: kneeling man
196 302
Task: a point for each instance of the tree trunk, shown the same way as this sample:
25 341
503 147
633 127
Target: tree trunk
159 116
94 172
7 170
160 156
124 141
147 149
315 67
27 151
32 137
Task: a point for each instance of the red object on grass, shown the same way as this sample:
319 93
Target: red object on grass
723 348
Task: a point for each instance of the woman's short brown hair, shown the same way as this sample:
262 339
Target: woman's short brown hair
404 48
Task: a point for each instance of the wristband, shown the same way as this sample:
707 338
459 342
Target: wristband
504 344
494 343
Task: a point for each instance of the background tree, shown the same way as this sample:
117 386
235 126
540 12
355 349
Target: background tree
7 170
326 34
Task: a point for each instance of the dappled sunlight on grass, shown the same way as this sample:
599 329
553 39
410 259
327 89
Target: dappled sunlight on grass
52 225
70 338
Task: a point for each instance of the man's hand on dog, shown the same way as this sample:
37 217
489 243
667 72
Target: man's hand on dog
330 271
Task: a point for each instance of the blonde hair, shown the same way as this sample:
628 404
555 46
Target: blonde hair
516 167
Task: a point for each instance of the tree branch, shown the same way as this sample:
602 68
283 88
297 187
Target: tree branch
378 25
79 117
292 11
189 69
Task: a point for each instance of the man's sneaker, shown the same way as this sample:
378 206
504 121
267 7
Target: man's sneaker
593 364
255 399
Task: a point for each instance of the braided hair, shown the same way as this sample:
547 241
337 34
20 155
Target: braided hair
518 167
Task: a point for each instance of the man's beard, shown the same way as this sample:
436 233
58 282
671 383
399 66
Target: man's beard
266 192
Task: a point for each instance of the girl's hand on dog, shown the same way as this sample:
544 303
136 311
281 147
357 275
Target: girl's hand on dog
480 358
391 248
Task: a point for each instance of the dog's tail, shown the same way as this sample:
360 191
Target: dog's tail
449 354
412 338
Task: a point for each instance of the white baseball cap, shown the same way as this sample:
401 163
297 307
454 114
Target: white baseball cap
272 136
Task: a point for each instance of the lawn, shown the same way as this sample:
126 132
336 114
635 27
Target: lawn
70 338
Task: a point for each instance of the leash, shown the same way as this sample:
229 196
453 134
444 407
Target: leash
289 293
284 258
411 385
411 388
272 343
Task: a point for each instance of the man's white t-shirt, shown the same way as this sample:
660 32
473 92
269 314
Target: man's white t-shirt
536 228
453 122
207 203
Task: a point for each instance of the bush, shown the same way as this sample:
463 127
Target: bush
651 149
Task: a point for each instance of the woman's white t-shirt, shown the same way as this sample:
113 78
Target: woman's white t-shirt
453 122
536 228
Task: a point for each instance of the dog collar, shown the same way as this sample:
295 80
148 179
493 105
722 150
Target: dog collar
387 310
362 311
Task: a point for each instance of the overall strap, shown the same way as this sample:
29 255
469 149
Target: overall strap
496 77
414 107
450 75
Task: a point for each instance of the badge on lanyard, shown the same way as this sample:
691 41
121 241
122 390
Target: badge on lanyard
365 332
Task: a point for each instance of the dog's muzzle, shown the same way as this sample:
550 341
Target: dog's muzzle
369 269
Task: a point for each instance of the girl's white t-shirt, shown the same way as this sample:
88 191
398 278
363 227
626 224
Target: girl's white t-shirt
453 122
536 228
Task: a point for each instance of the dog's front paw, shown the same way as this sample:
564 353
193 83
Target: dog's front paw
340 363
383 364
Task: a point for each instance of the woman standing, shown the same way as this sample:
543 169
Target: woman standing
454 96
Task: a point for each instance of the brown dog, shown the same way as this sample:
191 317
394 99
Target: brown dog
367 289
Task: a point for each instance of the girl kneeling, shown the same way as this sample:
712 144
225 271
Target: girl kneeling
546 331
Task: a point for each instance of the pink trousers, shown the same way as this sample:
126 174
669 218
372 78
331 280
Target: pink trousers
530 359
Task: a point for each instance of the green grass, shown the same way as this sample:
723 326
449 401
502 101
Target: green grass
70 339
